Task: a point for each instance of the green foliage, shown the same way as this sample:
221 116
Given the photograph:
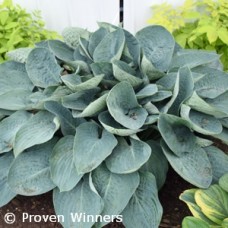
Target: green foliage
197 24
209 206
19 29
103 114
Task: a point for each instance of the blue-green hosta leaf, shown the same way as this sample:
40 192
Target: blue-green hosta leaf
132 47
175 92
224 122
144 208
186 86
4 113
42 68
168 81
84 45
194 167
71 35
223 182
160 96
63 171
19 55
95 39
13 78
149 70
93 108
89 84
17 99
158 45
179 138
192 58
220 103
157 163
38 129
71 80
73 205
151 119
6 193
147 91
80 100
124 108
67 122
110 48
9 128
218 160
200 122
91 140
188 196
123 72
213 203
103 68
29 174
128 157
61 50
190 221
203 142
213 84
198 104
114 127
115 189
151 109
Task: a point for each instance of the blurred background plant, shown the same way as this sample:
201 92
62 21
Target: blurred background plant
201 24
18 28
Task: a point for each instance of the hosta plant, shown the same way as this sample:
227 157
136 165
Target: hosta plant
208 206
98 117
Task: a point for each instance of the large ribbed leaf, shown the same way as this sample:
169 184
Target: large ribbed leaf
128 157
198 104
38 129
220 102
157 163
219 162
194 167
201 122
95 39
29 174
11 79
63 171
6 193
190 221
9 128
157 44
177 136
144 208
90 141
17 99
110 48
61 50
186 82
67 122
115 189
76 86
124 108
93 108
193 58
42 68
81 201
114 127
79 100
123 72
213 84
213 203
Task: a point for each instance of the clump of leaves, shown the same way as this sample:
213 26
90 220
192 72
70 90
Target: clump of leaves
197 24
208 206
102 114
20 29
